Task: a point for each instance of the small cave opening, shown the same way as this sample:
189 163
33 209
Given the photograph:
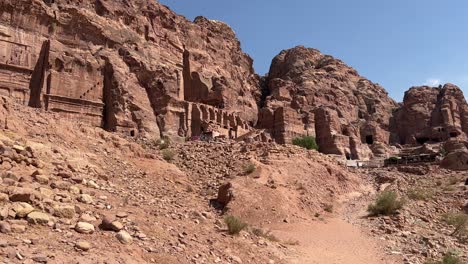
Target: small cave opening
422 140
147 33
348 156
369 139
345 132
132 133
360 114
453 134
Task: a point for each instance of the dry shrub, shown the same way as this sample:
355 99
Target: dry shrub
234 224
168 154
387 203
249 168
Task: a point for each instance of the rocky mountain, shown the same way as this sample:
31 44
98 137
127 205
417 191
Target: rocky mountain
136 67
431 114
88 86
315 94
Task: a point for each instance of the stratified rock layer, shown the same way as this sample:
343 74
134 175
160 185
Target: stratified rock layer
136 67
314 94
431 115
128 66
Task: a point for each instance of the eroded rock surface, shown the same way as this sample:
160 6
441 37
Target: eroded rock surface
136 67
430 114
131 66
314 94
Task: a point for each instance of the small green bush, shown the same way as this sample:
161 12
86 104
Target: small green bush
454 180
443 152
249 168
234 224
393 159
460 222
265 234
307 142
387 203
168 154
449 258
421 194
328 208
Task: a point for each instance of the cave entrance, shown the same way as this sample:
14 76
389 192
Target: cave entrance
370 139
422 140
348 156
345 132
453 134
132 133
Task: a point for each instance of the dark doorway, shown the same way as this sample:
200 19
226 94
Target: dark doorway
453 134
422 140
348 157
370 139
132 133
345 132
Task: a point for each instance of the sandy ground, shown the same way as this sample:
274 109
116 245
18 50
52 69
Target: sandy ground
333 241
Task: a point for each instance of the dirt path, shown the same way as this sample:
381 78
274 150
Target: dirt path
333 241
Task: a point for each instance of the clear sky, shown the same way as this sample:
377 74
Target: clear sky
396 43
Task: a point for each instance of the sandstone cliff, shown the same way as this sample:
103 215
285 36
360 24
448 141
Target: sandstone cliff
315 94
431 114
136 67
128 66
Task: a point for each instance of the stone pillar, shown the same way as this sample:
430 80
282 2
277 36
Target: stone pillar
188 118
180 79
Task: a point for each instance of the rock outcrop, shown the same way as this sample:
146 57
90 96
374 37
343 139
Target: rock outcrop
127 66
135 67
309 93
430 114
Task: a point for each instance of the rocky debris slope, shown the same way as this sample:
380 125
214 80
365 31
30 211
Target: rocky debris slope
73 193
419 232
316 94
265 182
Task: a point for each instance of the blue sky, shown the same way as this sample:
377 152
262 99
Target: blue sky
397 43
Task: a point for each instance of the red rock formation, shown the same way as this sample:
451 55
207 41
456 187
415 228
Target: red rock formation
315 94
431 115
137 67
130 66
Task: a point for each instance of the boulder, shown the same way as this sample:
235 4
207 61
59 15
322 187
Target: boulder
64 211
457 160
22 209
42 179
18 228
85 198
84 228
124 237
109 223
26 195
225 194
83 245
38 218
5 228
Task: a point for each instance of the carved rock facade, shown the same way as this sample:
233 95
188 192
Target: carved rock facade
431 114
137 67
129 66
308 93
